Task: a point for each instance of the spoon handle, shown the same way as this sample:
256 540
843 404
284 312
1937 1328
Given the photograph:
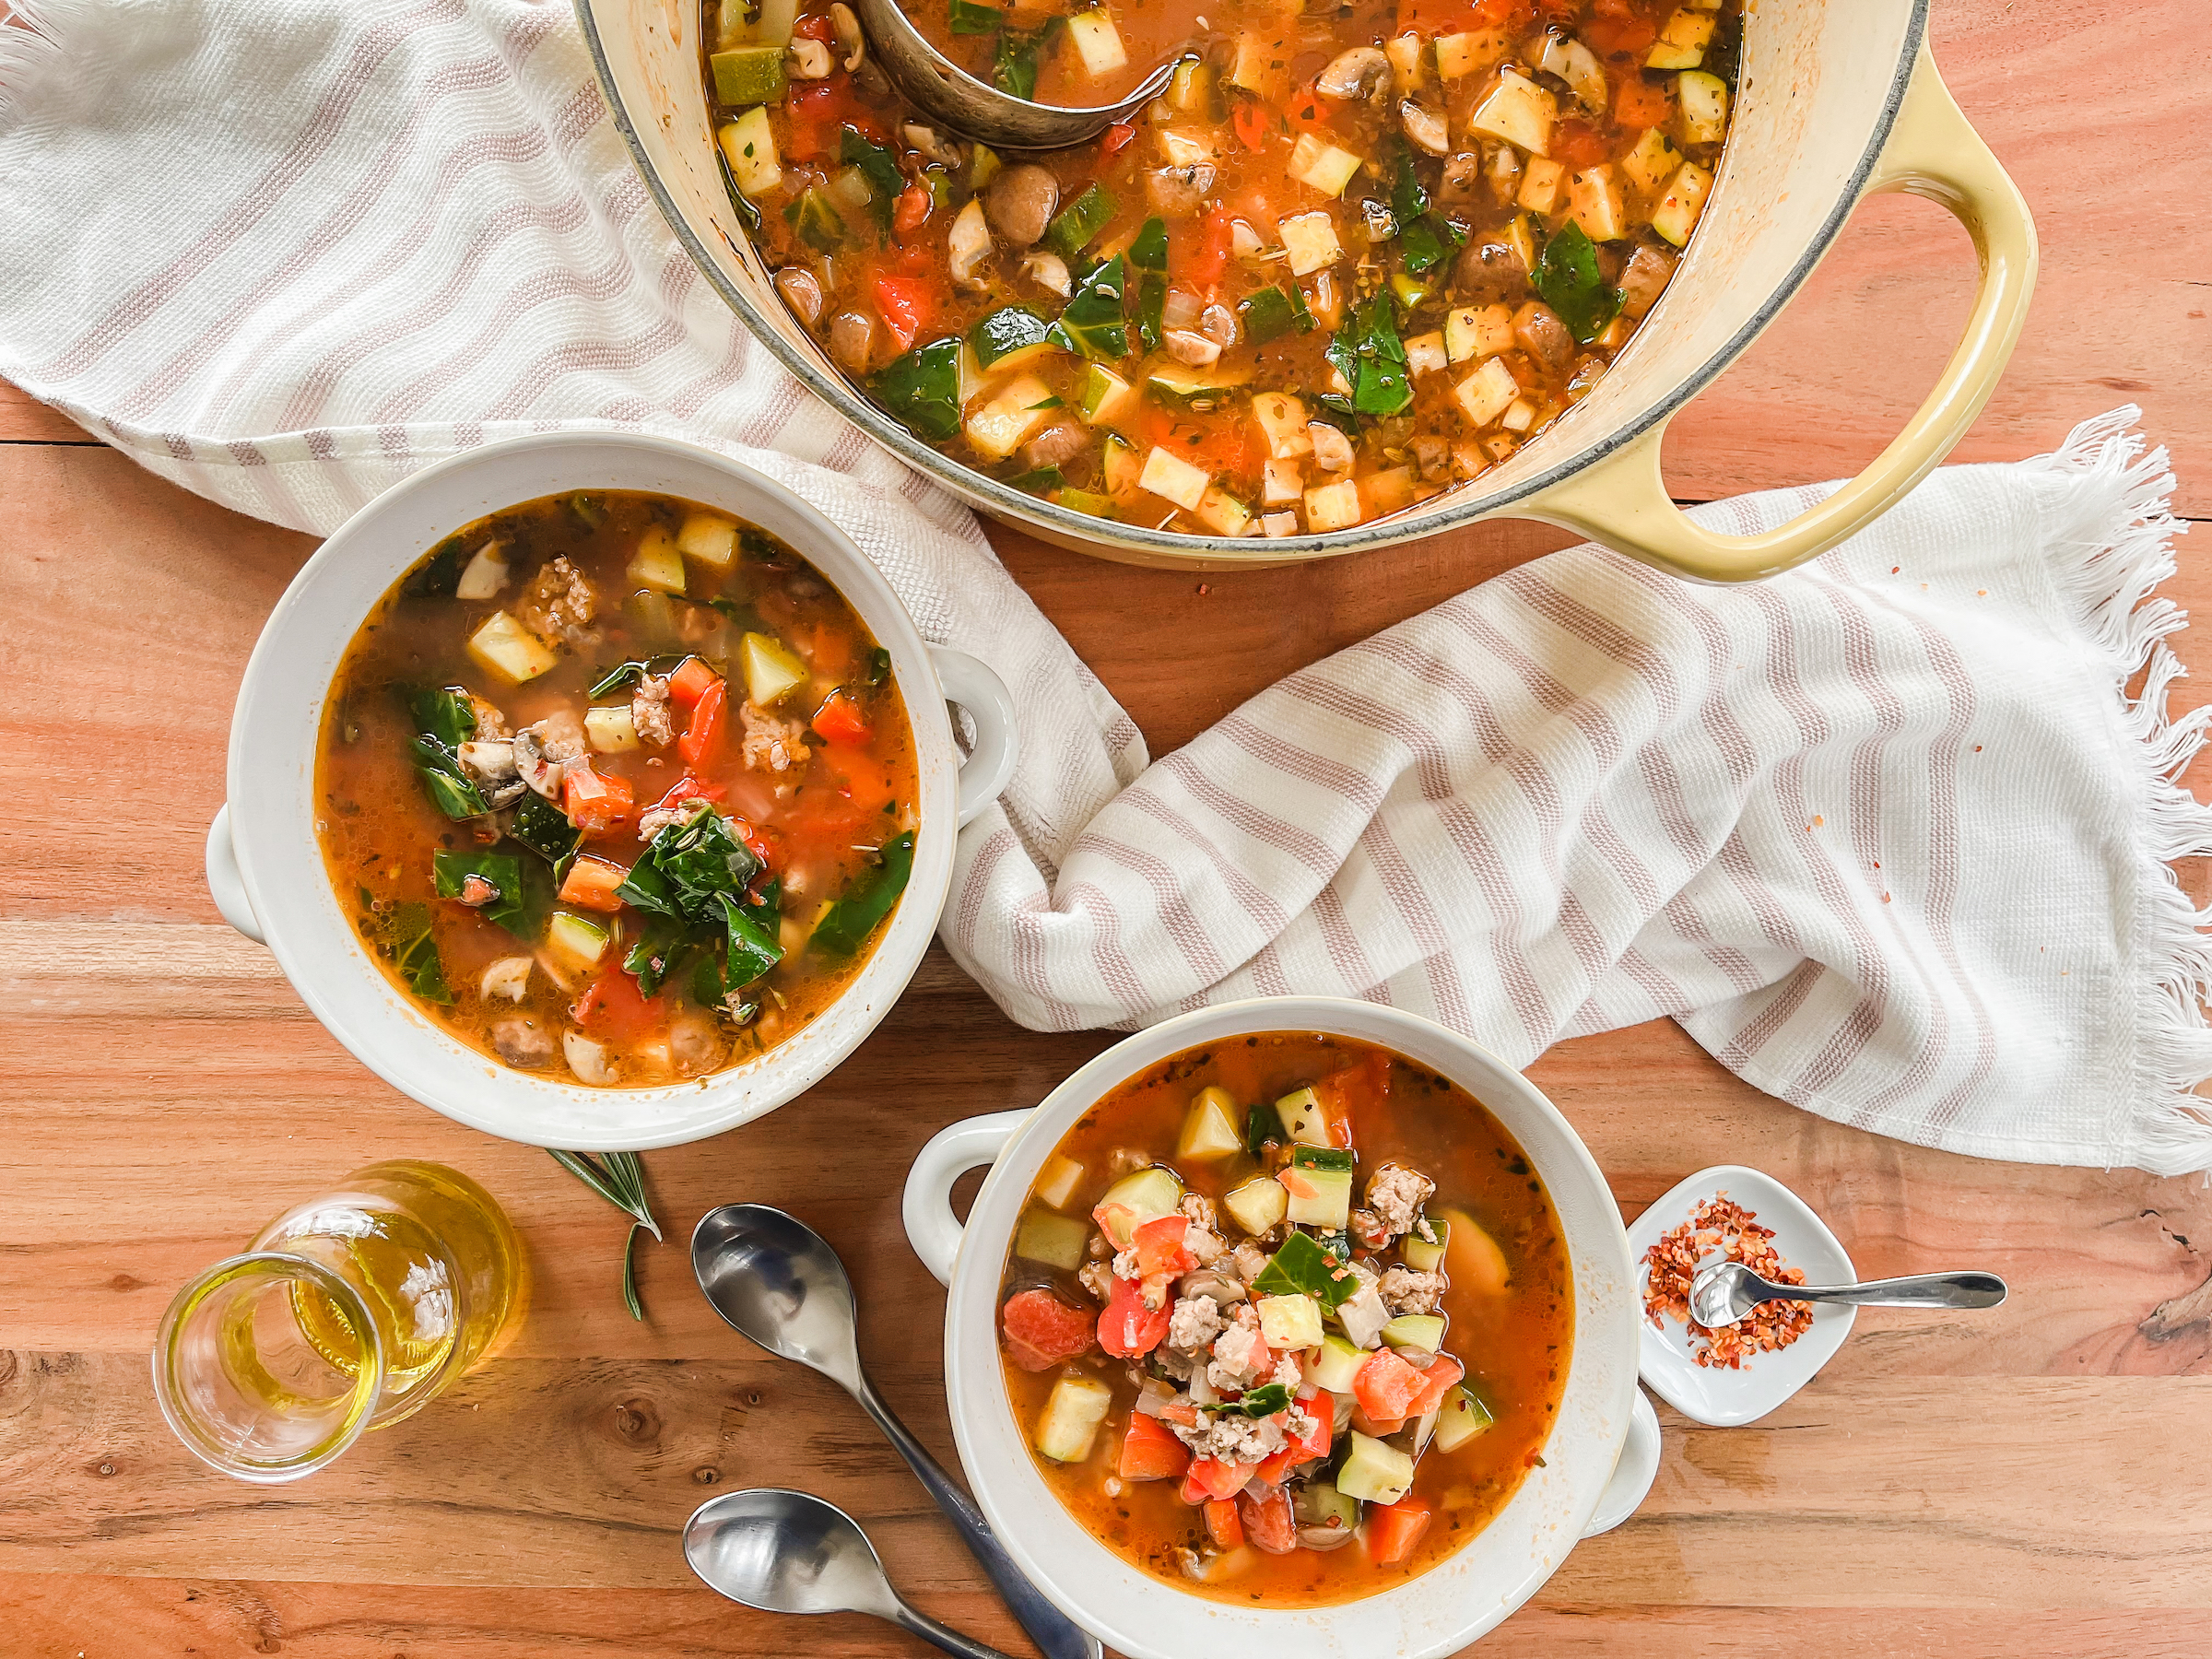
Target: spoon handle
943 1636
1918 1290
1056 1636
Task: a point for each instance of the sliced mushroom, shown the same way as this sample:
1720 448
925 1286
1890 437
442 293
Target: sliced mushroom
1538 331
1362 72
1460 179
802 291
587 1059
1490 271
1219 1286
967 244
1332 449
1575 63
1426 127
1219 323
1188 346
853 340
1380 223
1503 171
809 58
521 1042
1063 440
932 143
509 977
1333 1537
1244 241
1020 202
1048 271
1180 192
696 1044
849 41
1642 280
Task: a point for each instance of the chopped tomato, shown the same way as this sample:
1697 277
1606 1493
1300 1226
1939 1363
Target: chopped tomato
1615 28
838 720
1160 1245
1429 18
701 743
1115 137
611 1006
1576 144
1209 1478
1639 103
832 651
1197 255
1221 1523
1386 1386
1268 1521
1393 1529
1128 1329
819 111
1043 1331
906 302
1374 1428
591 883
594 800
1253 123
815 27
1355 1091
1150 1451
911 208
1115 1221
1180 1411
1306 1448
1442 1372
690 682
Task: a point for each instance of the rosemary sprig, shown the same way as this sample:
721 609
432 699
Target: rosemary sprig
619 1179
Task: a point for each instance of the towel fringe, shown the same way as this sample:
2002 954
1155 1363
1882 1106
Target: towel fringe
30 43
2112 581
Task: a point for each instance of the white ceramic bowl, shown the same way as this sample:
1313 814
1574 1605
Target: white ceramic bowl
264 865
1598 1464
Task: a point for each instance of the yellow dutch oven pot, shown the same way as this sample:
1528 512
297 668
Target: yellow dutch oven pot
1837 99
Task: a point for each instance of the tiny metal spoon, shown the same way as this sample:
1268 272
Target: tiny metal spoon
776 1280
952 98
789 1552
1726 1292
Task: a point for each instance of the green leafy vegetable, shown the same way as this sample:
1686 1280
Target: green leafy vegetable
1568 277
688 867
1075 225
525 889
413 945
1425 239
1408 200
815 220
1371 359
1302 1268
1002 333
544 830
880 667
846 924
968 19
1269 312
1014 65
923 389
1262 1124
665 947
443 782
879 167
437 576
445 713
444 717
619 1178
1260 1402
1093 322
754 948
1148 258
1036 481
590 507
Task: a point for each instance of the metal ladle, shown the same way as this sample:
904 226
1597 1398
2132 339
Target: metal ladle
1726 1292
954 99
789 1552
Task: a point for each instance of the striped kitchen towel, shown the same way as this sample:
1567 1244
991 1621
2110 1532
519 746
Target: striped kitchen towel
1888 835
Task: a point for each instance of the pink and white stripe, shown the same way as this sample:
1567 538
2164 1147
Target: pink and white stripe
1886 835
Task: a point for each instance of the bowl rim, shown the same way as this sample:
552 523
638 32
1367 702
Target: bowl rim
1013 1498
1015 506
271 805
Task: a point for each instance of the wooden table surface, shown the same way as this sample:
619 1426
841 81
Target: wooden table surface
2029 1481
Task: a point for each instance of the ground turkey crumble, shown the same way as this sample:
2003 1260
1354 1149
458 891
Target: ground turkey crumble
558 605
649 711
1395 1193
770 744
1405 1290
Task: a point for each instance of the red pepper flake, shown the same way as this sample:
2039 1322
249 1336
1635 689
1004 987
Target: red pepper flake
1721 1224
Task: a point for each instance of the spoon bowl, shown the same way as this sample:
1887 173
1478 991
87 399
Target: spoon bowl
786 1552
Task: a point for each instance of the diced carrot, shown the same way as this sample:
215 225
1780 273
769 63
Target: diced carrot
1043 1331
1197 254
590 882
690 682
701 743
1253 123
1386 1386
1442 1372
838 720
594 800
1576 144
1221 1523
1638 103
1150 1451
1393 1529
908 214
1180 1411
1381 1430
1268 1521
832 651
1128 1329
1160 1245
611 1006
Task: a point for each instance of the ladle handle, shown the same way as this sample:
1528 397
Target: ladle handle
1056 1636
943 1636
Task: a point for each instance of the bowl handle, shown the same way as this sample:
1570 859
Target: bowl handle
1633 1475
990 765
1621 499
926 1209
224 881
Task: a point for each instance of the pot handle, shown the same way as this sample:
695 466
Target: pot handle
1621 499
1633 1475
224 881
990 765
926 1205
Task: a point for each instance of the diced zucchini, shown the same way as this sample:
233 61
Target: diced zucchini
506 647
1681 44
1459 56
484 575
1191 89
1372 1472
1422 1256
1594 203
1289 1322
1678 213
1519 111
1478 332
1010 336
1459 1419
1703 99
1258 1205
1180 386
1303 1120
1106 396
815 220
1222 513
1334 506
1335 1364
1071 1418
709 537
1075 225
1084 501
1057 1241
654 563
1097 42
610 728
1521 237
1488 392
1008 421
1258 67
1172 478
1310 239
575 941
1472 1258
1319 1503
1320 1198
771 667
1326 167
1282 419
1652 161
749 145
1540 185
1057 1182
1144 1196
1120 465
747 74
1416 1331
1210 1130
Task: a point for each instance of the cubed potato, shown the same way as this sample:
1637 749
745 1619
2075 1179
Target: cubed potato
1183 147
1174 479
1459 56
506 647
655 562
1333 506
611 729
1594 202
1520 415
1540 185
1486 394
1310 239
1097 42
1282 483
1471 332
1279 525
1011 418
1651 162
1519 111
709 537
1389 490
1324 166
1260 67
1425 354
1681 44
1222 513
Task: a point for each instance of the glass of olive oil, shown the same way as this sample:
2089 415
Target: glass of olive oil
348 1312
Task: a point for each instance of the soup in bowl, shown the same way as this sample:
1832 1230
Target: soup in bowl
1293 1326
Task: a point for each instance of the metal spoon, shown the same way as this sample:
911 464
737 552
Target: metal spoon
952 98
776 1280
1726 1292
787 1552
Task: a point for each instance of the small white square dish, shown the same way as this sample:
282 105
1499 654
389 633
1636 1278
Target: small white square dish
1714 1395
